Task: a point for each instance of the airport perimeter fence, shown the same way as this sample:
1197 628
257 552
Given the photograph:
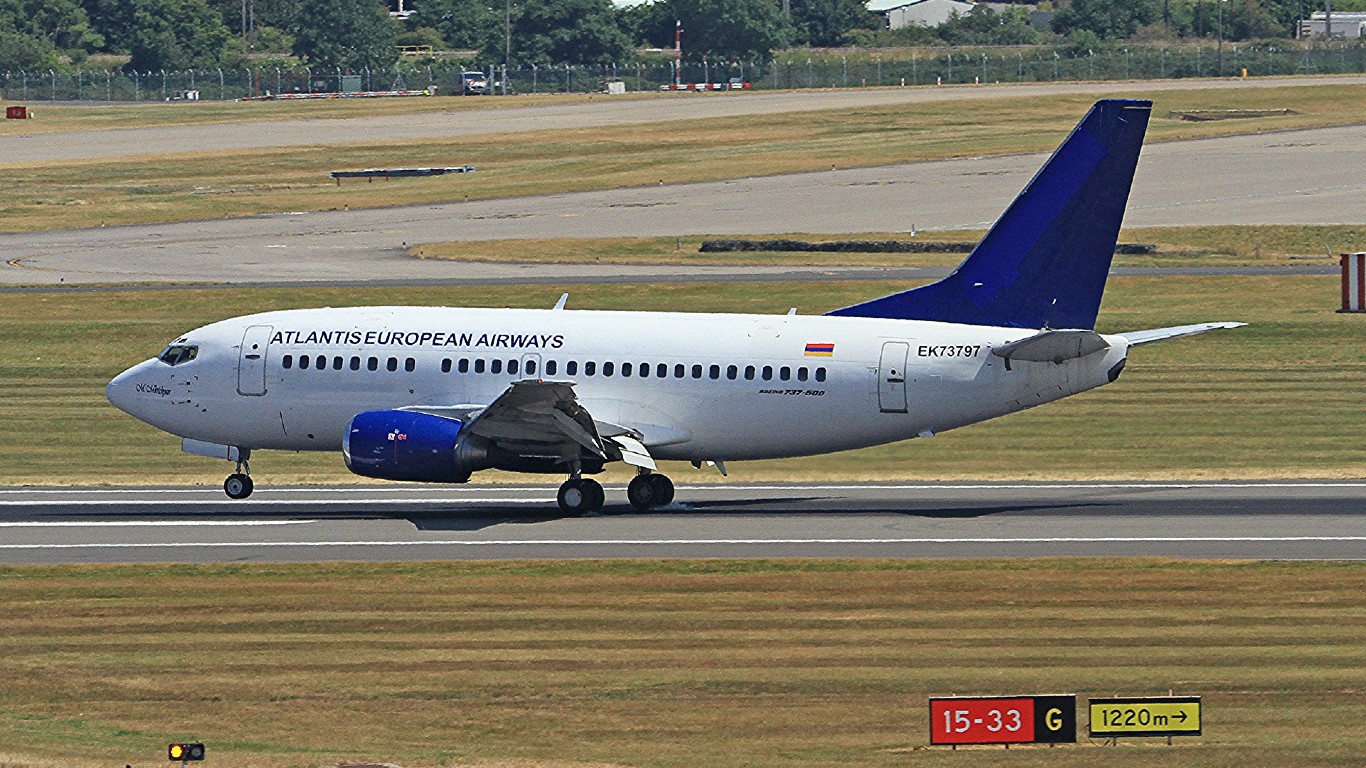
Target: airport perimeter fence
822 70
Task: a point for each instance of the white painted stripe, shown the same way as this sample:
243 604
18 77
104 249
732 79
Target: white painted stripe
155 523
416 492
243 505
705 542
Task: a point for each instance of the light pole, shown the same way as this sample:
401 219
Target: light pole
1219 66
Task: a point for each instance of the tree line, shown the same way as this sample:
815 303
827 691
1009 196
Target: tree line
152 35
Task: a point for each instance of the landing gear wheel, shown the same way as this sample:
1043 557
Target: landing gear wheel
237 486
580 497
650 491
663 490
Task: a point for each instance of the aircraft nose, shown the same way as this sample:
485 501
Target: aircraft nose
119 391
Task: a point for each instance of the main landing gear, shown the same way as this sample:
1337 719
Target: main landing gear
650 490
239 485
579 495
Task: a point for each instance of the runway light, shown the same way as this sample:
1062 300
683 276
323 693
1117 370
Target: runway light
183 753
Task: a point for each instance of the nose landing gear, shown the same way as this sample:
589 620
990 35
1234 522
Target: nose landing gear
239 485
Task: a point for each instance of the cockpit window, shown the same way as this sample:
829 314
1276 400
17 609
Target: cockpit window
176 354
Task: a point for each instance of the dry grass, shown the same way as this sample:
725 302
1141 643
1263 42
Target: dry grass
1277 399
208 185
666 663
1177 246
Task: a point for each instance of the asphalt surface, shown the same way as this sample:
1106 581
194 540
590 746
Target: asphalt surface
1300 177
1273 520
20 148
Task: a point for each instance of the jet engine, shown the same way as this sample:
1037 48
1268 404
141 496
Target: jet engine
419 447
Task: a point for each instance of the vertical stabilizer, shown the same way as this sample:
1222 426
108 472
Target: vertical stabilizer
1043 264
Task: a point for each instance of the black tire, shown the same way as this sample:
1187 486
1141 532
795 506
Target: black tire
596 496
573 497
663 489
641 492
238 486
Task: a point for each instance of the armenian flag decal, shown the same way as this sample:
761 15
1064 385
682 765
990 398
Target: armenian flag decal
820 350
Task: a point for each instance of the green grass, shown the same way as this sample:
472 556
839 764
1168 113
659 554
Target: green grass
1280 398
213 184
667 663
1177 246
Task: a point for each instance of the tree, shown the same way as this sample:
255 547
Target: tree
466 24
351 34
562 32
725 30
176 35
826 23
1107 19
19 51
983 26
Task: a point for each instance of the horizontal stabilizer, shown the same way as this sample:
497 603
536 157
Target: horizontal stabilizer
1053 346
1161 334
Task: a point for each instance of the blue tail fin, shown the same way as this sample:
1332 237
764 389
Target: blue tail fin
1044 262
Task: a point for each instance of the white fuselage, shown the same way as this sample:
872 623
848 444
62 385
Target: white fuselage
885 380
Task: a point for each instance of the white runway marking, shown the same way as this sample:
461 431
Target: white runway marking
275 503
708 542
153 523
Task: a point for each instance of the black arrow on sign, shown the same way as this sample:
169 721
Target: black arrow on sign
1183 717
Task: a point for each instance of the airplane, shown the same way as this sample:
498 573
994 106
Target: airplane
435 394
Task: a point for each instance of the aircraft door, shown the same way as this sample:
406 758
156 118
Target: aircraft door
251 366
891 377
531 367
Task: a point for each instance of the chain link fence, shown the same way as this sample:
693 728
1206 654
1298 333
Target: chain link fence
825 70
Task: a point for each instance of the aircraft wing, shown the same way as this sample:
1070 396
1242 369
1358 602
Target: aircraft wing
1160 334
544 418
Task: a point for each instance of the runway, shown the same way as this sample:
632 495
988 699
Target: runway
1265 520
1299 177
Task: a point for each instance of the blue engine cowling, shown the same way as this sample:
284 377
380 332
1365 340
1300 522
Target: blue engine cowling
405 445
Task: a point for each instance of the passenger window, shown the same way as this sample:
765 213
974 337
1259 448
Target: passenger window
607 369
785 373
392 365
644 370
495 367
371 364
714 372
303 362
463 366
678 371
337 363
697 371
321 363
820 374
550 367
512 366
531 367
626 369
768 373
446 365
749 373
479 365
662 371
355 363
410 365
589 368
287 361
571 368
732 372
801 374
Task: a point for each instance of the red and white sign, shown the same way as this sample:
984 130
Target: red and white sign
1003 719
1354 282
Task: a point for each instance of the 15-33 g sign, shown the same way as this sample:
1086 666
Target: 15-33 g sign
1003 719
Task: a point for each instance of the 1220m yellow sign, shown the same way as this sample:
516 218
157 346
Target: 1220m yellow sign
1148 716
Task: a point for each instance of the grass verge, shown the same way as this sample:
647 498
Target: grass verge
1277 399
213 184
667 663
1177 246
